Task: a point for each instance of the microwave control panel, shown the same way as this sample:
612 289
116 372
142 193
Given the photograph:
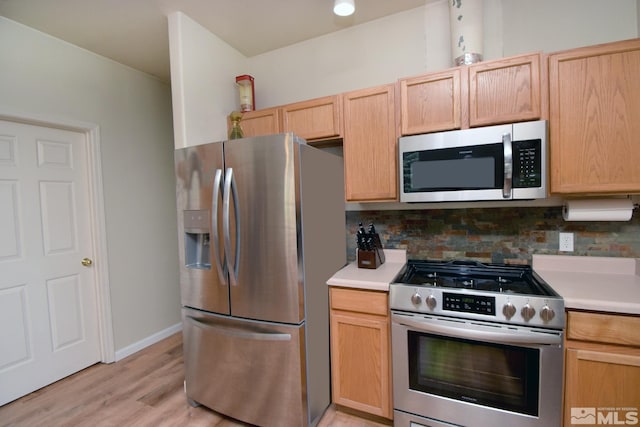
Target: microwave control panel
527 163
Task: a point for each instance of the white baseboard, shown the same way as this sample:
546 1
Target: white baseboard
146 342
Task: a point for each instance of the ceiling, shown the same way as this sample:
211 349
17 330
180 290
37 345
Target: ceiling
135 33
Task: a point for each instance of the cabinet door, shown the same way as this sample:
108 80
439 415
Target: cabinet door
315 119
430 103
261 122
360 363
594 96
505 90
370 145
600 379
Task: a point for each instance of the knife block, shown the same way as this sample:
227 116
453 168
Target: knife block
373 258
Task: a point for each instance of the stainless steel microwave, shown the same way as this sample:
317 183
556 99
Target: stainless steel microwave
503 162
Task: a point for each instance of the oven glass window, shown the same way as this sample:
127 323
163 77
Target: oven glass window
499 376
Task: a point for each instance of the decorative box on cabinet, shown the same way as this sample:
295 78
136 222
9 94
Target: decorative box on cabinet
594 106
370 144
602 364
360 358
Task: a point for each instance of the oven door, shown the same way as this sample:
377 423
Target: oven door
473 373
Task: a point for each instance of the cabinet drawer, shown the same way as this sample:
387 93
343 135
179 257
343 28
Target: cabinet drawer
604 328
360 301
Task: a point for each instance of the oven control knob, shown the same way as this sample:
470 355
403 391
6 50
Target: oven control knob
528 312
547 314
416 298
508 310
431 302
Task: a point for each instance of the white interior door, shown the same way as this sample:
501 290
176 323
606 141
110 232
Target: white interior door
48 309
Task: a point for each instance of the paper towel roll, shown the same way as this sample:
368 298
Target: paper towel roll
598 210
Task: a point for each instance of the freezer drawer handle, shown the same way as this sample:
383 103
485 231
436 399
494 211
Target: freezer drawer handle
229 191
240 333
222 266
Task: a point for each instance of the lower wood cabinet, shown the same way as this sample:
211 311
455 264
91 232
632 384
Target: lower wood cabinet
602 369
360 357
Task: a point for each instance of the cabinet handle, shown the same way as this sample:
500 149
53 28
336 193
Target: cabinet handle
618 359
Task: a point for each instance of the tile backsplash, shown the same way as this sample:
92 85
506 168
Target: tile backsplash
500 235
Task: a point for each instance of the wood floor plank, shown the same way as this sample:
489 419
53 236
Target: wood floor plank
145 389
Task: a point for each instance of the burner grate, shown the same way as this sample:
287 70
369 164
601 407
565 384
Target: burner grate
512 279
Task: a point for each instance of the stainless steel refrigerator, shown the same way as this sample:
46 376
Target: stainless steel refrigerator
261 229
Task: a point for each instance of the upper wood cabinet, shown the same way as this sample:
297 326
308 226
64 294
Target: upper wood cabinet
492 92
505 90
370 144
316 119
261 122
431 103
594 106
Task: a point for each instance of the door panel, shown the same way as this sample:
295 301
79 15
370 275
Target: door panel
48 312
202 285
269 285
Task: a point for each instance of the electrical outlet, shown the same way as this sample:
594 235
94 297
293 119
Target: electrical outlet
566 242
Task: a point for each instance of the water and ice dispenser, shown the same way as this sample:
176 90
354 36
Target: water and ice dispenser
197 244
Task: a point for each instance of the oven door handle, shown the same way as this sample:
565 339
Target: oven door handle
477 332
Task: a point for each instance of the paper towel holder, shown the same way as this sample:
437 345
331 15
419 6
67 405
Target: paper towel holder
599 209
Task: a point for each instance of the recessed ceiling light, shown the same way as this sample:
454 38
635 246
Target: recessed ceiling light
343 7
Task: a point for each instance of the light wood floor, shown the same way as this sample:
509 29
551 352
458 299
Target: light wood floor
145 389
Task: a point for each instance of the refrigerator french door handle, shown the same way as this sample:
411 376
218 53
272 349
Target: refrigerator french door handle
230 191
508 165
221 265
240 333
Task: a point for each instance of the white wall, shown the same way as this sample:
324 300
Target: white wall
203 70
42 75
418 41
551 25
408 43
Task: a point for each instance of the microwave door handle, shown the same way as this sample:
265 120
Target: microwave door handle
214 243
231 192
466 331
508 165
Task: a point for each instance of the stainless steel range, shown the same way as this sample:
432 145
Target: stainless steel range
475 345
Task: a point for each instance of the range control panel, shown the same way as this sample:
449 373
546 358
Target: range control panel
469 303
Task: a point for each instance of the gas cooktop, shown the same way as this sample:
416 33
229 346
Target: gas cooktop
515 279
469 289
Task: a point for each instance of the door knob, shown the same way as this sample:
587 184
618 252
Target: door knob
87 262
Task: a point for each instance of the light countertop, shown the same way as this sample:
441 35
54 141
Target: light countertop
373 279
593 283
